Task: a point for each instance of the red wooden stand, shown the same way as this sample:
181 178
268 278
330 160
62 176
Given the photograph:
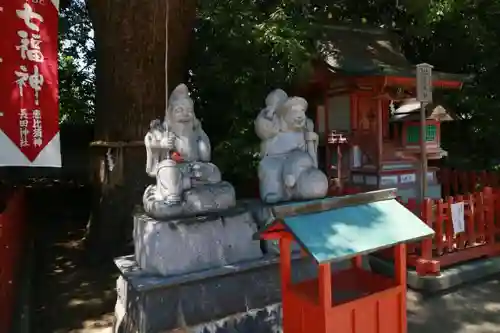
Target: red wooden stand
349 301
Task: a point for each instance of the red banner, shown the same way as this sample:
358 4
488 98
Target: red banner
29 102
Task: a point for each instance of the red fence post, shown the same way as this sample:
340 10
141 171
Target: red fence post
450 233
489 206
449 246
496 211
438 226
480 225
470 214
426 213
425 264
461 237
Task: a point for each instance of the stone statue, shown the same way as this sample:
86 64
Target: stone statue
288 169
178 156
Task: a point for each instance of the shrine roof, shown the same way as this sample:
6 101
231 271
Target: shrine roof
341 228
411 112
370 52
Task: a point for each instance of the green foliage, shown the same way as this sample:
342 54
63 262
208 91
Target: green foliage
76 64
76 92
244 48
462 37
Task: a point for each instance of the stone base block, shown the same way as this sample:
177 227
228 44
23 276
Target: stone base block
449 277
263 320
193 244
243 297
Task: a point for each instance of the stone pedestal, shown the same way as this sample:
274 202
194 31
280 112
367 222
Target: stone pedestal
203 275
239 298
194 244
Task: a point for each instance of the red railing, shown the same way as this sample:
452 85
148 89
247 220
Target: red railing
454 182
12 226
446 248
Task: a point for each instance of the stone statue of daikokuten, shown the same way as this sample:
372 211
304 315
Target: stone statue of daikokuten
178 156
288 169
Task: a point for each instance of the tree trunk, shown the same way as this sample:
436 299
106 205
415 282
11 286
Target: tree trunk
182 15
130 78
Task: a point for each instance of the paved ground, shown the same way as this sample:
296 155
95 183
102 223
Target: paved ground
72 296
468 309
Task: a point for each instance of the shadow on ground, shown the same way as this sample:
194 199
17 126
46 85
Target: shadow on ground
471 308
70 294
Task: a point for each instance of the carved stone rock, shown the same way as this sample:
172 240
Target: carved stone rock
199 200
193 244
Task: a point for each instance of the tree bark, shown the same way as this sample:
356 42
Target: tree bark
182 15
130 40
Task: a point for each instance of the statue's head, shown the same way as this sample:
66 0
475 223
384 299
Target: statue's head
275 98
180 106
293 113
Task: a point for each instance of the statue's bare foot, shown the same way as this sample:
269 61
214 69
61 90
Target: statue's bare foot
173 200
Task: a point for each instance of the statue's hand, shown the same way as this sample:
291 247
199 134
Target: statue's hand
148 139
168 142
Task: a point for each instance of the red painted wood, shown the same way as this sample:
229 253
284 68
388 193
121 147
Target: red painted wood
369 302
426 216
470 218
411 82
438 227
489 204
448 230
455 182
12 227
482 213
460 238
479 217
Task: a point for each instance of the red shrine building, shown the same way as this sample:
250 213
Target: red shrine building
363 93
